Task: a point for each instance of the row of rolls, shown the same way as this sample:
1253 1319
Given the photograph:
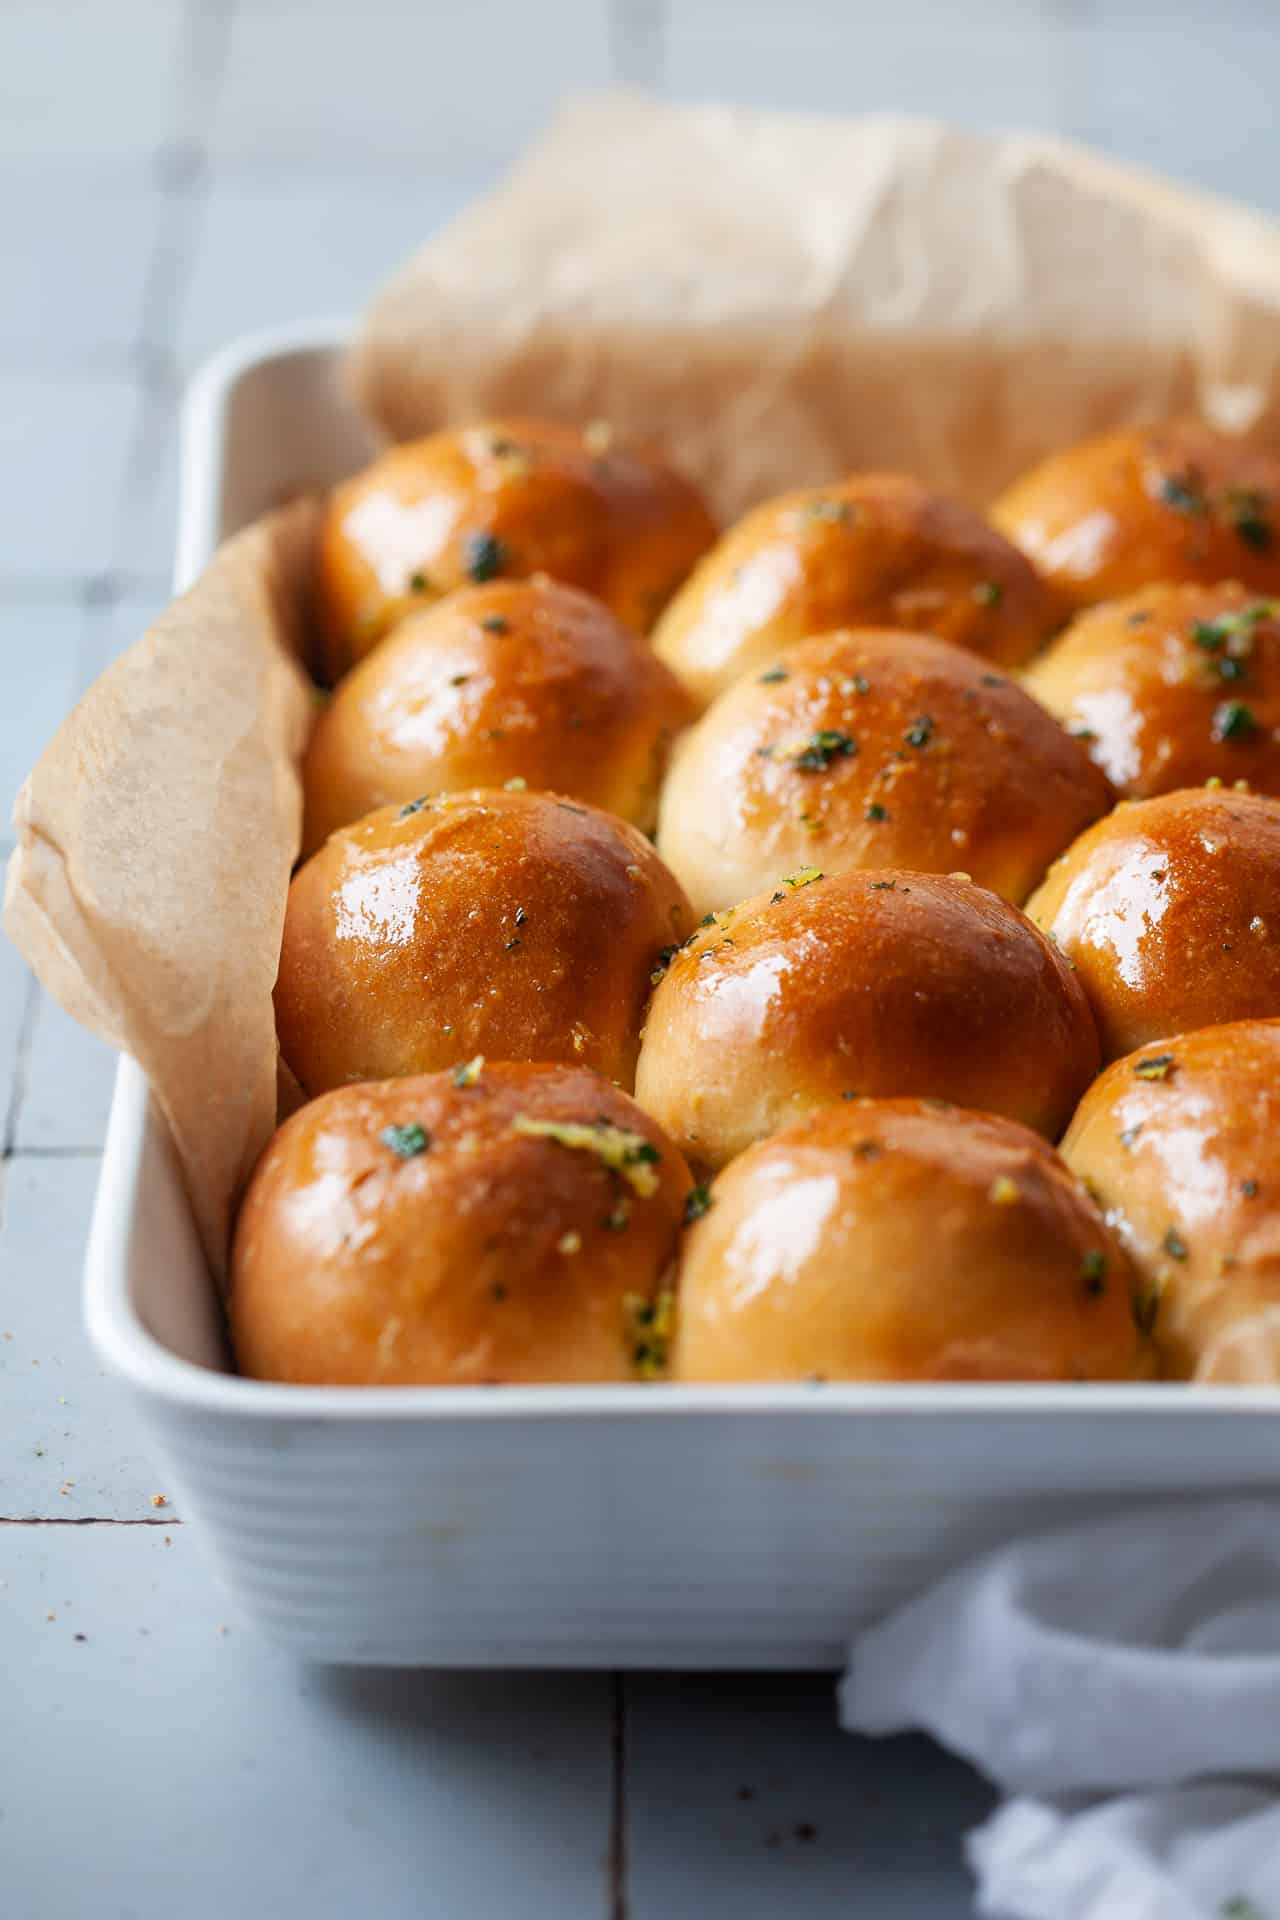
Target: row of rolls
845 947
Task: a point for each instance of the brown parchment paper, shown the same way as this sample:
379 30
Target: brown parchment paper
155 838
779 299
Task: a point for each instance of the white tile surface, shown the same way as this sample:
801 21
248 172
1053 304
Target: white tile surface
38 649
744 1788
74 254
71 1451
67 1095
160 1767
454 88
267 254
64 451
82 79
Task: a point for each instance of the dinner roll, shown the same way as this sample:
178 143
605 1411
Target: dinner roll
873 750
518 926
1176 501
521 1226
878 549
1170 686
861 983
1181 1143
1169 910
503 499
891 1240
518 681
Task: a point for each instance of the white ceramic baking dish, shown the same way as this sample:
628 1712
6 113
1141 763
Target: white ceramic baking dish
577 1526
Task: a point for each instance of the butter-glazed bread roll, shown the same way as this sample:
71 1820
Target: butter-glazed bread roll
1171 686
520 1227
1175 501
502 500
891 1240
1169 911
875 550
879 983
1180 1142
873 749
517 681
517 926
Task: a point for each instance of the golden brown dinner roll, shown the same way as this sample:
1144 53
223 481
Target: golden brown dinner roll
518 681
1176 501
892 1240
862 983
506 498
1169 910
517 926
521 1226
873 750
877 549
1181 1144
1171 685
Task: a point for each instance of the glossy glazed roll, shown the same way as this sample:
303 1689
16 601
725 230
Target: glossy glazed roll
1181 1143
879 983
518 681
502 500
516 926
1169 911
892 1240
875 550
1176 501
1171 686
873 749
522 1226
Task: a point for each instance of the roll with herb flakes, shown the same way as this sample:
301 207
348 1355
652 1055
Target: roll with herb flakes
503 500
892 1240
1170 687
518 1223
1169 911
875 550
1177 501
883 983
873 749
1180 1142
518 683
517 926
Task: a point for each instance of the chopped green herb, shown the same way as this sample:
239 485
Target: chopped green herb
1246 510
467 1072
1156 1066
1182 493
988 593
618 1220
697 1201
876 812
414 806
459 679
1234 721
802 877
567 806
1130 1134
861 684
622 1151
838 512
407 1140
816 755
496 623
774 673
651 1324
1249 1188
665 956
1093 1271
483 556
883 886
1240 1907
994 680
1174 1244
1228 667
419 583
920 732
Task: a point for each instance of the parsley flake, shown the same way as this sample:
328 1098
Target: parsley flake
483 556
407 1141
1157 1066
1234 721
697 1202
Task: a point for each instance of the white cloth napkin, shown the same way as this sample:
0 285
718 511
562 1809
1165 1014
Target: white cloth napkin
1120 1682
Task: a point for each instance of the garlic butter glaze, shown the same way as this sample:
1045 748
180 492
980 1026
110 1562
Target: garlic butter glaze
1169 911
873 749
1180 1142
894 1240
520 1225
876 982
503 500
875 550
518 926
519 680
1171 502
1171 686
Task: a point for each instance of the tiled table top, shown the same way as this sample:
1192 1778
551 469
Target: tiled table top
175 171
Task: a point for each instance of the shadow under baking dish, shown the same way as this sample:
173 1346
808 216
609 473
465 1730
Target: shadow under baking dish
752 1526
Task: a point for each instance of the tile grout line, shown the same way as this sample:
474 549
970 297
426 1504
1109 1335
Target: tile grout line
617 1857
18 1086
638 31
84 1520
